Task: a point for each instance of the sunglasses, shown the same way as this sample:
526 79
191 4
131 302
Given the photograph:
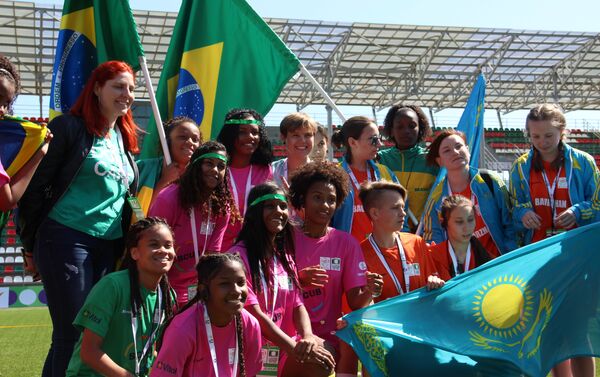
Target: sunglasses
375 140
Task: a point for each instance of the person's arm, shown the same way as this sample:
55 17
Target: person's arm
168 175
310 347
504 204
584 212
93 355
11 193
521 200
270 331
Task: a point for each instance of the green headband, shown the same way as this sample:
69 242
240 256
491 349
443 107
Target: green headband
244 121
268 197
210 155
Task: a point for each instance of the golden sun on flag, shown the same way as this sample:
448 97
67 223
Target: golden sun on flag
503 306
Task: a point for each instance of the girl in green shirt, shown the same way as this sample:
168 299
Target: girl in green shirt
123 314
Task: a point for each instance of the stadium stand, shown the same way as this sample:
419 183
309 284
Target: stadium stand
11 257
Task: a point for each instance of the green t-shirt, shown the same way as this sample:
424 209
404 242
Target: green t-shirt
107 312
414 174
94 201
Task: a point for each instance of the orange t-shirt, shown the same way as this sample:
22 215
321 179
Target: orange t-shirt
482 232
540 198
418 259
443 262
361 225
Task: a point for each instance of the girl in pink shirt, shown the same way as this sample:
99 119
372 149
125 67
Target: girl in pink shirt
266 246
197 207
250 152
329 261
212 336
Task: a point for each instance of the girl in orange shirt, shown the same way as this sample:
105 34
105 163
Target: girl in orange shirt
462 251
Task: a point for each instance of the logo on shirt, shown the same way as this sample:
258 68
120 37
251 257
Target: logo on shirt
161 365
362 265
312 293
91 316
546 202
331 264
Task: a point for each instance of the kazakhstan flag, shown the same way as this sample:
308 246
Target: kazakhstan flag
518 314
222 55
91 32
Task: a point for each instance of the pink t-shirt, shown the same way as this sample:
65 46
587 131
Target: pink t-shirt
185 351
4 178
260 174
340 255
288 296
183 276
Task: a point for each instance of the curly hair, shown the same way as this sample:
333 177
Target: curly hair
132 239
399 110
312 172
194 193
256 238
9 71
171 124
263 155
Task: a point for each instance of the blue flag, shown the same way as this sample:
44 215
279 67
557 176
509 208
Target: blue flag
520 313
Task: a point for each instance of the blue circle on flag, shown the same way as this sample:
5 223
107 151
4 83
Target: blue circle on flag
189 100
75 60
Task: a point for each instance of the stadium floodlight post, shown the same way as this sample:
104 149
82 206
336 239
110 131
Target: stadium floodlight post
327 99
157 118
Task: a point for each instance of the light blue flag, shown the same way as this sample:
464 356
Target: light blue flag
519 314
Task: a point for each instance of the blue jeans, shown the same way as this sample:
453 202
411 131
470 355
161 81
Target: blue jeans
70 263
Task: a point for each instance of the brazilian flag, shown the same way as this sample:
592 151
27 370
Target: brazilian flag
19 139
91 32
521 313
222 56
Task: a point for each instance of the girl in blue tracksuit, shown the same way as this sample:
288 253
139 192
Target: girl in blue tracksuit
494 227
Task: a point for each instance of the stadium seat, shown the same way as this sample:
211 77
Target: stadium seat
10 250
8 279
18 279
28 279
18 259
1 259
2 250
9 260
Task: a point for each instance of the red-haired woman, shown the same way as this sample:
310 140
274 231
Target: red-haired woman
73 213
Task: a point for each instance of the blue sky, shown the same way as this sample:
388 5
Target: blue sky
551 15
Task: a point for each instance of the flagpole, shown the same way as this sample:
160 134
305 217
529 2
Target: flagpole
320 89
157 118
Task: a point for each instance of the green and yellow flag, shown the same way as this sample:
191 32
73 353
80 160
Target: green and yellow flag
91 32
222 55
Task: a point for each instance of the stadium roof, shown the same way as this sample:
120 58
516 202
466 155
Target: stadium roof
365 64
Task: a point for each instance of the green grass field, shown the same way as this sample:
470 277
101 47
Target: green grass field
25 339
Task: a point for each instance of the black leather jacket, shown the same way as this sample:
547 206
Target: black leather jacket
67 151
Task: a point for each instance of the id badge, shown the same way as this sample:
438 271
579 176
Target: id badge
136 207
270 359
192 290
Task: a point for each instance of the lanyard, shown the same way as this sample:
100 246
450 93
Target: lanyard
195 229
213 351
388 268
355 182
551 191
472 194
265 286
235 191
120 161
157 318
455 260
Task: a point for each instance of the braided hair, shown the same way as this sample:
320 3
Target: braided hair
9 71
255 237
263 155
133 237
208 267
193 193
